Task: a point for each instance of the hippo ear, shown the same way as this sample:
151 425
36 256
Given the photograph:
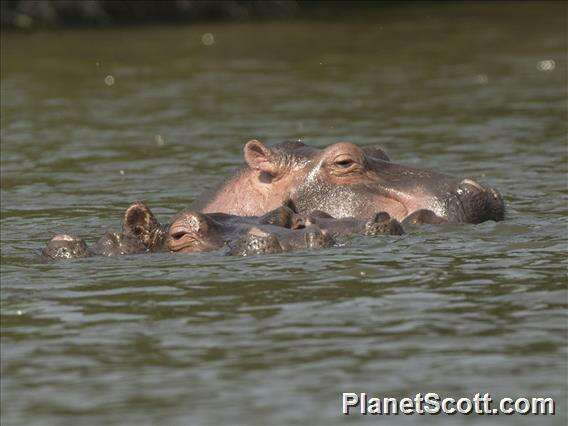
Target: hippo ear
139 221
260 158
376 152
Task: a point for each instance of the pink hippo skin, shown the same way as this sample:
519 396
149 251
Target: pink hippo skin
345 180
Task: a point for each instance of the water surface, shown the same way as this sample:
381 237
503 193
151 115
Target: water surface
95 119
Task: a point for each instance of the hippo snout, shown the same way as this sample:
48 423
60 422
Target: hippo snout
475 203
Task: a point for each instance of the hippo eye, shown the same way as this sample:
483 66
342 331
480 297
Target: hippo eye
344 162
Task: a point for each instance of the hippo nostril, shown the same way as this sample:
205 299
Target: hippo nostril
472 183
475 203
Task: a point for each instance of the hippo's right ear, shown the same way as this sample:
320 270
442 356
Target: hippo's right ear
376 152
138 220
260 158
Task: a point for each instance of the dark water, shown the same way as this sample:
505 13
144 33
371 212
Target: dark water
474 90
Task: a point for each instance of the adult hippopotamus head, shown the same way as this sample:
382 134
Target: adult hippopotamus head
345 180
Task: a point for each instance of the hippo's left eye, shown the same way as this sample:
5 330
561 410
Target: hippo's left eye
343 161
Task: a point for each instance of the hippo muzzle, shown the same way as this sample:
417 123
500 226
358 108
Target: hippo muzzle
454 199
474 203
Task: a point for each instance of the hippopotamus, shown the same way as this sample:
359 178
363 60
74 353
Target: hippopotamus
346 180
141 232
282 229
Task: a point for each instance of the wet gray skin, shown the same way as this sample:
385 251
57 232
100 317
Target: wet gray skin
282 229
278 231
314 231
345 180
141 233
65 246
380 224
269 241
115 244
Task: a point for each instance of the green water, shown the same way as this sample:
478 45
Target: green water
477 90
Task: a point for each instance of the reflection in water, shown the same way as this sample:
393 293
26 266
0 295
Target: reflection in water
472 90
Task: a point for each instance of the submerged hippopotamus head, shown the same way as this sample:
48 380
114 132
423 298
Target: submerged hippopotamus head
277 231
65 246
141 233
346 180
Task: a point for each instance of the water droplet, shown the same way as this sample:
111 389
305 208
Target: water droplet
207 39
23 21
109 80
160 141
546 65
482 78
